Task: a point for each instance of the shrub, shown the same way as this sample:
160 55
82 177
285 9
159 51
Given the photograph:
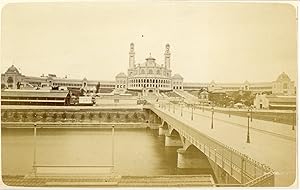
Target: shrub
34 116
135 116
126 117
108 116
54 116
64 115
44 116
16 116
82 116
91 115
73 116
100 115
117 115
24 116
5 116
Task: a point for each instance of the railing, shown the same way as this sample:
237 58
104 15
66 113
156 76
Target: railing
244 169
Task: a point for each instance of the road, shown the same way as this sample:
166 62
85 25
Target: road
273 144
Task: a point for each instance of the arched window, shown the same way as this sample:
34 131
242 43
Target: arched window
158 72
10 80
147 80
150 71
142 71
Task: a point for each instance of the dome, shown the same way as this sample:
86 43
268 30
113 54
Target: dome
121 75
12 69
150 58
283 77
177 76
84 79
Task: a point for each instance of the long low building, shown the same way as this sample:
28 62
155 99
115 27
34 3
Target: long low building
35 97
275 102
13 79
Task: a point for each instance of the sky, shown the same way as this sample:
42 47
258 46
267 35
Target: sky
224 42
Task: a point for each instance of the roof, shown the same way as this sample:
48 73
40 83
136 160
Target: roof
283 77
177 76
121 75
12 69
281 99
34 93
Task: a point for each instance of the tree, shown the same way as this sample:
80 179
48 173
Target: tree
16 116
54 116
5 115
126 117
34 116
97 87
73 116
108 116
64 115
18 85
24 116
117 115
91 115
82 116
135 116
100 115
44 116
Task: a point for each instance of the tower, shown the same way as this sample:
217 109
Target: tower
131 56
167 56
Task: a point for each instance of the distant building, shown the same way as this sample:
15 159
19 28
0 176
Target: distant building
12 77
149 76
263 101
35 97
282 86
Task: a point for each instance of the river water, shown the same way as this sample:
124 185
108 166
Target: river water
136 151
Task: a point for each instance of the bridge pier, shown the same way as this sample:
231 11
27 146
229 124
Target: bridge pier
171 140
162 131
192 158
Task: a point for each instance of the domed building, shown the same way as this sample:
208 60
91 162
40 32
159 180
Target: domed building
12 77
283 85
149 77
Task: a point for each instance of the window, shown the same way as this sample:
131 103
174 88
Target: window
150 71
142 71
285 86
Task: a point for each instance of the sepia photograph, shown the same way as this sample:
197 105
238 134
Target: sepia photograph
149 94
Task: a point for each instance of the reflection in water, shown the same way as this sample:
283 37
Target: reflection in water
137 151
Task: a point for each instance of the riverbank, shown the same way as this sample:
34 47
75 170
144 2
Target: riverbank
127 125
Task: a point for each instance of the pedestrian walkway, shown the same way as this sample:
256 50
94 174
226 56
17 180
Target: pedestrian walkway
268 146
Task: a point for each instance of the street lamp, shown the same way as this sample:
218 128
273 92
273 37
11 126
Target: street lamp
248 132
229 111
212 118
192 117
251 111
181 105
174 108
202 106
293 122
169 106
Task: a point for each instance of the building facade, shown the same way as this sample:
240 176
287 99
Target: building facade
149 76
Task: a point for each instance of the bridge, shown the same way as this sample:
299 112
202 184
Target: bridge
207 139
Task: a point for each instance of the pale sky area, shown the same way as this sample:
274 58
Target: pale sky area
225 42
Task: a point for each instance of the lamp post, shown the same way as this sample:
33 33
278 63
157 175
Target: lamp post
113 146
181 105
251 111
169 106
192 116
212 118
293 122
173 108
229 111
34 149
248 132
202 106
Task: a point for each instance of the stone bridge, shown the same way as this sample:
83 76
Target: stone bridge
197 150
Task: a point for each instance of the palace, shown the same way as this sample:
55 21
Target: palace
149 77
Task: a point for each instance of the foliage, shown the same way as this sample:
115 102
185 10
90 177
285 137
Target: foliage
97 87
117 115
16 116
54 116
64 115
82 116
100 115
44 116
91 115
108 116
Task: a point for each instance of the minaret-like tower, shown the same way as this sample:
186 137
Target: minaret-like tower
131 56
167 56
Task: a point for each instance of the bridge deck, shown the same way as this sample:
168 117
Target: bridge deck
271 144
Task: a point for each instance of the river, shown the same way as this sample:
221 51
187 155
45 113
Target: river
136 151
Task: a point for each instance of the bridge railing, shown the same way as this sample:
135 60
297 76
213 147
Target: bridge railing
241 167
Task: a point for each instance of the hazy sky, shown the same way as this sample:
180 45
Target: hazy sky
225 42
